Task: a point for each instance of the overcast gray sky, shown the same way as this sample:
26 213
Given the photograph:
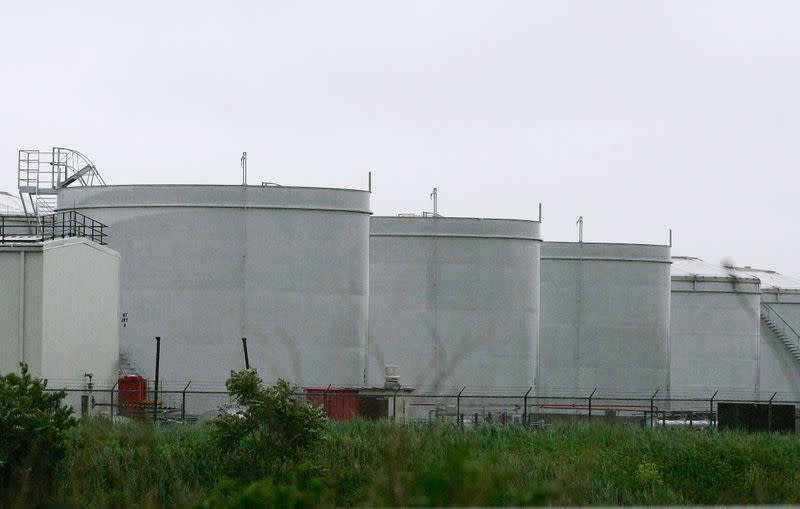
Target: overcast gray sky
638 115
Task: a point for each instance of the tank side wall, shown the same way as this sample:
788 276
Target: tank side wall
778 370
605 317
454 311
714 341
293 280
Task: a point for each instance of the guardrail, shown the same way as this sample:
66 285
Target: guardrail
70 223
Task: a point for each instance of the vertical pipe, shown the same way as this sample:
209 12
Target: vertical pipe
369 182
590 402
246 358
155 386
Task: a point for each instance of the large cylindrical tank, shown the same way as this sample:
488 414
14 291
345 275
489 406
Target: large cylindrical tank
454 301
605 318
714 330
203 266
779 370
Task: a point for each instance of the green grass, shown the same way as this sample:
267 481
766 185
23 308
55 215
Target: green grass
380 464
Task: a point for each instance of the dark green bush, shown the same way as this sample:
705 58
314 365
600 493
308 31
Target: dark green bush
271 432
33 424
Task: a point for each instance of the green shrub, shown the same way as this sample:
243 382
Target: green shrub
270 434
33 423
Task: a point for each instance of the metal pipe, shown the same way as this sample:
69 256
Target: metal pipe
590 402
246 358
244 168
155 386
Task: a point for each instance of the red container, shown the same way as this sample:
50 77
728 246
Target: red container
339 404
132 394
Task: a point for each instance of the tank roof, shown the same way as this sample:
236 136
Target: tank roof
770 280
688 267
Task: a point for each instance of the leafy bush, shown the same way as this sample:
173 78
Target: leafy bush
270 433
33 424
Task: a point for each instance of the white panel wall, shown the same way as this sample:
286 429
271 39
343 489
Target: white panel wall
80 311
70 303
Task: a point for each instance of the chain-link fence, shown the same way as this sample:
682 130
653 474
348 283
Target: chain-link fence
468 407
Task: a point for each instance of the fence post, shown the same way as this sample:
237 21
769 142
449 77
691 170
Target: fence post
458 407
652 398
112 399
769 412
183 402
394 405
525 407
590 402
155 385
711 409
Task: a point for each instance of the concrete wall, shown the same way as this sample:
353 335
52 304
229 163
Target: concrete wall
203 266
605 317
454 301
714 338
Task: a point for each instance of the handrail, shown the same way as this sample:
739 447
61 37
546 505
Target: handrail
59 225
785 323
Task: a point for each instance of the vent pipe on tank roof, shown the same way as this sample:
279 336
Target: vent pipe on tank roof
244 168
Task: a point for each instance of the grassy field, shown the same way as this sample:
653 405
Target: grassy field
379 464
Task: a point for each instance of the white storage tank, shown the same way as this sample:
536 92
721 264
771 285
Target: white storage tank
714 330
203 266
454 301
605 318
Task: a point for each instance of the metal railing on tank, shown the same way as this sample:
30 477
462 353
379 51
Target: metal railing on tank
60 225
